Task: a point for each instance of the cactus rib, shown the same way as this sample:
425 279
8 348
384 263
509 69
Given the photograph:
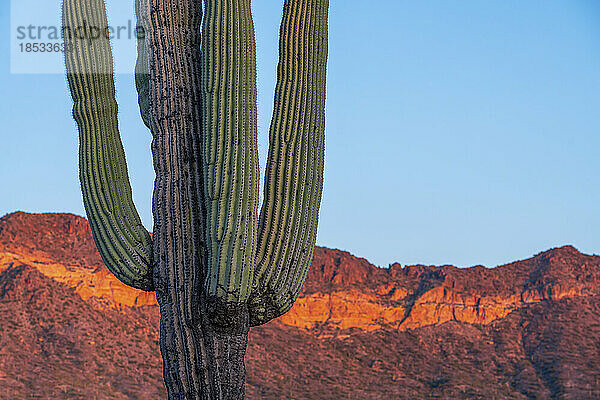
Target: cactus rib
294 180
229 148
123 242
142 75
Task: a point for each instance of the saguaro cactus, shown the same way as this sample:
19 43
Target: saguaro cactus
217 266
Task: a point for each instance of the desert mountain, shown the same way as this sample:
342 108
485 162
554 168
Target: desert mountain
526 330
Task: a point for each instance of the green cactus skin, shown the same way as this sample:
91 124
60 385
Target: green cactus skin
294 181
142 75
216 266
229 148
199 360
122 240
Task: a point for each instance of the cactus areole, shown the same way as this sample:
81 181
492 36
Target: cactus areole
218 266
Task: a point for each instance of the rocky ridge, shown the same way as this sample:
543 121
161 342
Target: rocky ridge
341 290
526 330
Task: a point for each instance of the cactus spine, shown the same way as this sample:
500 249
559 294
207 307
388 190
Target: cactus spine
217 266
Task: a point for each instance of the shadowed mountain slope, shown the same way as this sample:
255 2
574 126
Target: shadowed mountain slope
526 330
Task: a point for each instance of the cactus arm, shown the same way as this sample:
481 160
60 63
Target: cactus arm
122 240
294 177
229 149
142 75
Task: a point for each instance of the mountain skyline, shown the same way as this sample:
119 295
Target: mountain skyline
525 330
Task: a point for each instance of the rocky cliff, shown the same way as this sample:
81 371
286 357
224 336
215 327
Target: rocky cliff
341 290
408 331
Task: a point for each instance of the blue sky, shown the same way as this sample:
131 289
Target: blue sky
462 132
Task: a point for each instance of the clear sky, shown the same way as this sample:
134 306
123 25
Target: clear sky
462 132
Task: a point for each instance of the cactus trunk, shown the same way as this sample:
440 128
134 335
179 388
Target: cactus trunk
217 266
198 362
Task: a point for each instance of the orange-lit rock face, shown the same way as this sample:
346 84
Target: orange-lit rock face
368 312
99 284
341 290
345 310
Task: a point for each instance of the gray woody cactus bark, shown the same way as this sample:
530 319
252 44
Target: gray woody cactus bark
217 266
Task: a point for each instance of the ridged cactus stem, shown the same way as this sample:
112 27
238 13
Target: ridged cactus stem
230 155
122 240
294 181
199 362
142 70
